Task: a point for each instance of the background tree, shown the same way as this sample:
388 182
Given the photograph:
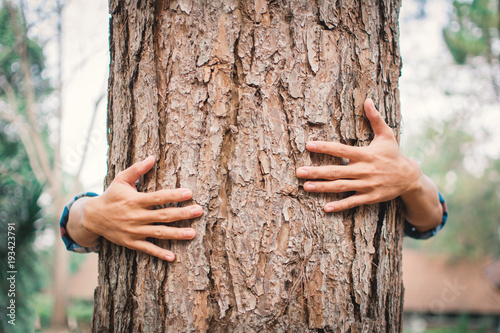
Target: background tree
225 94
474 30
20 189
21 87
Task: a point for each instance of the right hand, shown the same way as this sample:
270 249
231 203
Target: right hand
125 217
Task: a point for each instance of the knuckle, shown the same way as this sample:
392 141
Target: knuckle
333 173
156 198
128 244
120 174
341 186
131 201
341 150
131 217
370 156
376 197
366 169
163 215
131 231
157 233
371 170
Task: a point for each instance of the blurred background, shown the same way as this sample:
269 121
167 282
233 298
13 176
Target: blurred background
53 75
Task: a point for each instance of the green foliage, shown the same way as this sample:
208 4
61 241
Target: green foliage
472 30
10 66
444 151
20 191
75 261
43 305
19 195
11 73
81 310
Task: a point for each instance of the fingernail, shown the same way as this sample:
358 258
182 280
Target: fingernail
309 187
197 211
189 233
329 208
302 173
311 146
186 193
169 256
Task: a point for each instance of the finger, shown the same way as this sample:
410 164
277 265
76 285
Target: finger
171 214
330 172
336 186
132 173
151 249
164 232
162 197
334 148
347 203
376 121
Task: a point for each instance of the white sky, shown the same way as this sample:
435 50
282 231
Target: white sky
86 57
426 65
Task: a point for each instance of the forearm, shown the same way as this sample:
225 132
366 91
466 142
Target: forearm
422 207
75 226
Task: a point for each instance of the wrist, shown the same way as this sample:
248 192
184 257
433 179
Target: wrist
416 180
87 222
75 225
87 216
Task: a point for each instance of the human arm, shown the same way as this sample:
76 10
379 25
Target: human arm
126 217
376 173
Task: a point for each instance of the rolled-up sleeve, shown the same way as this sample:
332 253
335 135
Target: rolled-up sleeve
412 232
71 245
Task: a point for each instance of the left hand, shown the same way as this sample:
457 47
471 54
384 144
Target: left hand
377 173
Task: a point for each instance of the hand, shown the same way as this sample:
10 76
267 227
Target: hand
125 217
377 173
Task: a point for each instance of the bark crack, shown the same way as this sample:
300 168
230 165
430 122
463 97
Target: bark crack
355 304
372 297
292 146
160 107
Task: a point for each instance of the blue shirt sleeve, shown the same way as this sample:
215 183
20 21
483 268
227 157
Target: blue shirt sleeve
71 245
412 232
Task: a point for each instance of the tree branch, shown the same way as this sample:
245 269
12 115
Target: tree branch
23 131
87 142
39 149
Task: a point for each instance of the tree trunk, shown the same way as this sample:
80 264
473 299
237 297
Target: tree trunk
226 94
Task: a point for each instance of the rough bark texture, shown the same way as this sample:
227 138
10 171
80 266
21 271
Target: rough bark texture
226 94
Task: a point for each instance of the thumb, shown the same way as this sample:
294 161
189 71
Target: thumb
376 121
132 173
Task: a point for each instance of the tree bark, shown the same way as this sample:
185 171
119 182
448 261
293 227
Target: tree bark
226 94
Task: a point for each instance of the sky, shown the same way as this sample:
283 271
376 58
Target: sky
428 72
86 66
